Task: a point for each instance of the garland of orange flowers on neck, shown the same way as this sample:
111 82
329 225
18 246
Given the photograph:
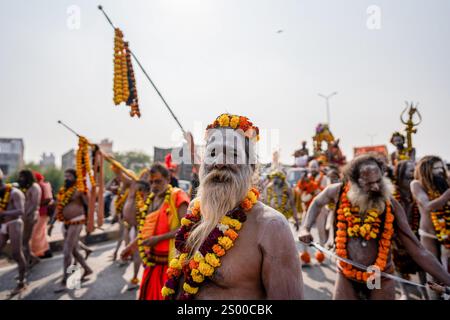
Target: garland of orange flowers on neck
63 198
6 196
202 266
344 230
83 165
441 221
120 200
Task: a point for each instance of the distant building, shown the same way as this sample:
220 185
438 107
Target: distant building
68 160
184 171
11 155
47 160
106 146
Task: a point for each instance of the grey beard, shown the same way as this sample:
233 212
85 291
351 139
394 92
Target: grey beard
366 201
217 198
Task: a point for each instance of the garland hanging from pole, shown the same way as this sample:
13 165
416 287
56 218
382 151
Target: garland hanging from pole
84 166
124 83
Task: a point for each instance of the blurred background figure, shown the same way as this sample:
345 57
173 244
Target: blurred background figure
39 242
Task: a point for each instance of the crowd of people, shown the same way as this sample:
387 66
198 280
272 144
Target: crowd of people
234 235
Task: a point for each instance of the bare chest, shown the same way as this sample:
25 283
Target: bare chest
240 269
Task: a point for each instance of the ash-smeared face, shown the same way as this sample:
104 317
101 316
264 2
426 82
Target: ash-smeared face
372 189
314 168
227 153
409 171
371 181
440 179
398 141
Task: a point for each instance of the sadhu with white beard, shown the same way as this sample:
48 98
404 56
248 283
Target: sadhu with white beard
230 245
367 218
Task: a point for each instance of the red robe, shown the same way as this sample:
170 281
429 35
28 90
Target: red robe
155 277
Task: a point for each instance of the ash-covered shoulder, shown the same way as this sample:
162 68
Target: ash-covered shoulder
272 228
335 187
15 192
265 215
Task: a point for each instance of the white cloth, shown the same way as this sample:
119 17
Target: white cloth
301 161
4 226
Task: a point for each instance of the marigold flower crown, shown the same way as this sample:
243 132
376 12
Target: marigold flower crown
236 122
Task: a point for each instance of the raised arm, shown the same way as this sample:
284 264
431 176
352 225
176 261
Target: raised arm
416 250
328 195
278 249
422 198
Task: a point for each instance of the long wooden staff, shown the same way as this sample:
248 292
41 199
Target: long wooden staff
146 75
106 156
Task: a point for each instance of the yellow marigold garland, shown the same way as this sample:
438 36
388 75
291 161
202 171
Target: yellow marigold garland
121 89
143 209
83 166
282 207
120 200
204 263
237 123
441 222
63 198
6 196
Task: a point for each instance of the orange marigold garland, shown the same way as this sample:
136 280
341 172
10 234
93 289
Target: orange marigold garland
237 123
6 196
63 198
83 166
124 86
120 200
441 222
197 269
345 218
132 101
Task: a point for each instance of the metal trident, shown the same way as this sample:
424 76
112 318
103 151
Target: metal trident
410 124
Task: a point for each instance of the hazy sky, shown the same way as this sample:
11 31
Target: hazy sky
211 56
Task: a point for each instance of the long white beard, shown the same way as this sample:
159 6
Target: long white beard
359 198
218 198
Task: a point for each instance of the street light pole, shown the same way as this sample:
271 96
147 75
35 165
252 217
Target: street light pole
327 99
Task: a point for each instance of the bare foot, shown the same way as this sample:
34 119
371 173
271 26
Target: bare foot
133 285
34 261
21 286
88 253
114 256
86 273
62 287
